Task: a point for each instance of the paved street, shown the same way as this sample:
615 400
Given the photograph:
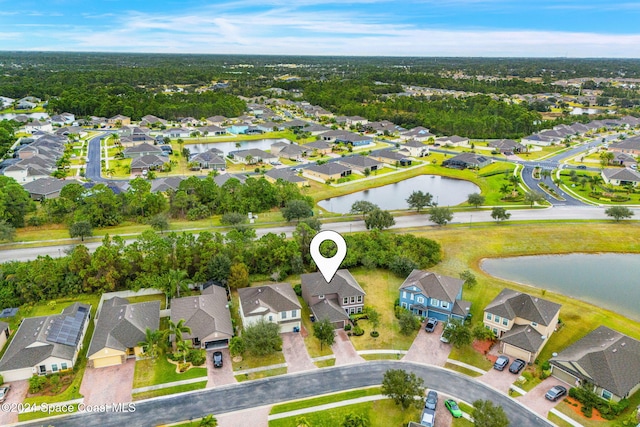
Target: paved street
273 390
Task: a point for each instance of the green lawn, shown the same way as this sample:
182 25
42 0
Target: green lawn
161 371
323 400
381 413
170 390
381 287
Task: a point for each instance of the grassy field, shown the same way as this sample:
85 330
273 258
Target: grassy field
381 289
381 413
323 400
161 371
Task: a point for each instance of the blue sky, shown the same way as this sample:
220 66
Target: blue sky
542 28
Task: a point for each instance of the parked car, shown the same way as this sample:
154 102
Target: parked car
452 406
517 366
555 393
428 418
217 359
432 322
501 363
3 392
582 167
432 400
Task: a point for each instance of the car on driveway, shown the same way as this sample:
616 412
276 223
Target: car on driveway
217 359
501 363
3 392
432 322
555 393
517 366
431 401
452 406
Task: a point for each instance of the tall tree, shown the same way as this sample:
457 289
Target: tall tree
403 387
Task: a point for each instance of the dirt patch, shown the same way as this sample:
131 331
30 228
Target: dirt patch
576 406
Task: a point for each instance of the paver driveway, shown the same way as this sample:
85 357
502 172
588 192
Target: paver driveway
535 398
220 376
16 395
295 353
343 349
427 348
108 385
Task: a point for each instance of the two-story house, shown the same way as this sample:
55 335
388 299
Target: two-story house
334 300
276 303
429 294
523 323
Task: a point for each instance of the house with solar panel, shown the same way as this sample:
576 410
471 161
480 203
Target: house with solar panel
47 344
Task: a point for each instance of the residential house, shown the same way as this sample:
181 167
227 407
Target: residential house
120 327
320 147
119 120
144 149
276 303
360 163
621 177
207 316
46 188
286 175
467 161
507 146
522 323
211 159
147 163
428 294
628 146
5 332
47 344
334 300
326 172
455 140
414 148
390 157
605 359
418 133
252 156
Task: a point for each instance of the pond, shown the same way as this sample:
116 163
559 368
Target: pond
607 280
227 146
445 192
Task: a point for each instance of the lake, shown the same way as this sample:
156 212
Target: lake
445 191
607 280
227 146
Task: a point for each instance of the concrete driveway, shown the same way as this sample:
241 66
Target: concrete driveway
16 395
343 349
220 376
500 380
535 398
108 385
295 353
427 348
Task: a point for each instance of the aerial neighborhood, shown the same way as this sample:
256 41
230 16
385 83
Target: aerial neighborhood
180 263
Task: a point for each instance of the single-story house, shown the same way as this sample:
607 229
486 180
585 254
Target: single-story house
276 303
207 315
415 148
326 172
467 161
120 327
522 323
320 147
624 176
390 157
147 163
252 156
286 175
140 150
335 300
427 294
45 188
360 163
607 360
47 344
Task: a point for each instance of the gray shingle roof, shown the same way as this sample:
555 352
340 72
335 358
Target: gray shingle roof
607 358
511 304
121 325
275 298
343 284
432 285
22 353
207 315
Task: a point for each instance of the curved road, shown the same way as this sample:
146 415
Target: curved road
282 388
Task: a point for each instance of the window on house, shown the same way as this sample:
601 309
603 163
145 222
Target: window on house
434 301
488 316
359 298
64 366
420 300
345 300
497 319
606 394
444 304
54 367
283 314
294 313
505 322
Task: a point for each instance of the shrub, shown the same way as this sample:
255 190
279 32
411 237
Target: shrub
358 331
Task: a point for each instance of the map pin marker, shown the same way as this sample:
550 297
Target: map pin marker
328 266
